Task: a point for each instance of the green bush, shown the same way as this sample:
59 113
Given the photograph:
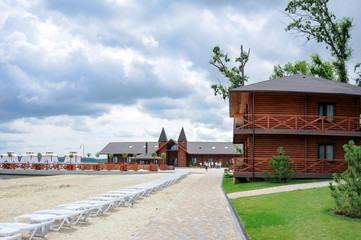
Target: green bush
282 168
347 193
228 175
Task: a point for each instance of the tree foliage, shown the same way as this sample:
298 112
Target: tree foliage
317 67
124 155
347 193
357 70
282 168
234 75
312 18
39 155
154 154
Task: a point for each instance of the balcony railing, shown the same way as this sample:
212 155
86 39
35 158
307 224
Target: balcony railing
296 122
321 166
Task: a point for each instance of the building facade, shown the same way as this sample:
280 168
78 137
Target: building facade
179 152
311 118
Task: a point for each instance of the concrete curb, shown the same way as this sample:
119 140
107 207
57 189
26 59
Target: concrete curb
235 215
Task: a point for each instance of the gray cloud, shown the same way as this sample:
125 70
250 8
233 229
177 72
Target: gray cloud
80 58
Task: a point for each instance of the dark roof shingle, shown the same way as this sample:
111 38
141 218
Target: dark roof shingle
301 84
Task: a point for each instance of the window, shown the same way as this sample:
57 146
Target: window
194 160
182 157
326 151
326 109
230 160
174 147
115 159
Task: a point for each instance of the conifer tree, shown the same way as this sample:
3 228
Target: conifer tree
282 168
347 193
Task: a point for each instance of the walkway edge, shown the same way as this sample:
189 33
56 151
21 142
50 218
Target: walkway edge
234 213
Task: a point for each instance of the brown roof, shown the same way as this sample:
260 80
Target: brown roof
301 84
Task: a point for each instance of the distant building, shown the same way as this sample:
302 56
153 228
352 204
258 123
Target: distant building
178 153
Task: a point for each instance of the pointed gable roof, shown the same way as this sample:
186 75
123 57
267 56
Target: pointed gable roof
163 136
301 84
172 141
182 136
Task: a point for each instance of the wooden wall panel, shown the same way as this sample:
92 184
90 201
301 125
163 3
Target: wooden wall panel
281 103
344 106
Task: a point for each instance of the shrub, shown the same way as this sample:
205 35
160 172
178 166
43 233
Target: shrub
228 175
347 193
282 168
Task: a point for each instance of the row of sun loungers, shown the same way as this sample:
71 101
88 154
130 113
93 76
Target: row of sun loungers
38 223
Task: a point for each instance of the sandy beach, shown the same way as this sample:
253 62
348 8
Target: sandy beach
25 195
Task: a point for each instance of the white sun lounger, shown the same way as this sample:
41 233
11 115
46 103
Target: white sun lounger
105 205
133 195
59 220
10 233
73 216
35 229
93 209
123 198
115 202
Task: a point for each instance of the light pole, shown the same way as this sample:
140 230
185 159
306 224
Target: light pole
82 146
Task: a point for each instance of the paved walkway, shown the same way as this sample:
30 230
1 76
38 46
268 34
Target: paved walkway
200 211
278 189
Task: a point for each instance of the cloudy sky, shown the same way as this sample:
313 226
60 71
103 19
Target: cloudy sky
90 72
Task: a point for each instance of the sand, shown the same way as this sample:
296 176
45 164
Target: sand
24 195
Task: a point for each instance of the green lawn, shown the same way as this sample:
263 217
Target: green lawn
301 214
229 187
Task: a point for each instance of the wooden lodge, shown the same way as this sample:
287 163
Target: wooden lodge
311 118
181 153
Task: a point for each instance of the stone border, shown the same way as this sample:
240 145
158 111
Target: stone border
244 232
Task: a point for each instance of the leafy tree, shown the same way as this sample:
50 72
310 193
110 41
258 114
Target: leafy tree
111 156
347 193
10 155
163 155
282 168
358 79
235 75
238 149
135 155
71 158
124 155
97 155
88 154
317 67
312 18
39 156
154 154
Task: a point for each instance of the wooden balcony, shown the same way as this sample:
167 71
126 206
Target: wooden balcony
313 168
297 124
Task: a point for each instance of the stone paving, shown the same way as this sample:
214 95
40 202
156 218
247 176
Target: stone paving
277 189
200 211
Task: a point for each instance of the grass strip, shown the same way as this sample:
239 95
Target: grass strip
300 214
229 187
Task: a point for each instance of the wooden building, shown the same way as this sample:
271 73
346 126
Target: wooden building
178 153
311 118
